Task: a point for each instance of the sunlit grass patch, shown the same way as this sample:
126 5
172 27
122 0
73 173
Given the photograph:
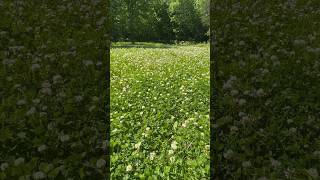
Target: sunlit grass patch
160 111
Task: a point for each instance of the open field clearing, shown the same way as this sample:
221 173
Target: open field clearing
160 111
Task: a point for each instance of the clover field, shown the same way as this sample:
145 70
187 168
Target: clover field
159 111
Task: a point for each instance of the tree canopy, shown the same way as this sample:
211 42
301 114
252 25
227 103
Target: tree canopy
160 20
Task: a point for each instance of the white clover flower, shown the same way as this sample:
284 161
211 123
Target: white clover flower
276 63
101 21
101 163
9 78
242 102
233 78
43 114
263 178
174 145
171 152
46 84
104 145
8 62
35 67
293 130
227 85
99 63
56 79
36 101
73 144
275 163
39 175
21 135
228 154
137 146
289 121
268 102
78 98
31 111
316 153
274 58
129 168
234 92
51 125
91 108
62 94
246 164
19 161
207 147
234 128
64 138
316 51
42 148
254 56
241 43
3 33
299 42
65 65
172 158
237 53
4 166
46 91
246 92
265 71
314 173
148 128
152 155
185 124
21 102
245 118
260 92
95 99
87 62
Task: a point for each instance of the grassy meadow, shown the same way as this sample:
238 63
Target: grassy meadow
160 111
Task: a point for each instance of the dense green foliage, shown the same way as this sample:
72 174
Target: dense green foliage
53 89
160 20
267 110
159 111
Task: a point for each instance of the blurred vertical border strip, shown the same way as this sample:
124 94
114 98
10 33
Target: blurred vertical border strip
214 95
108 32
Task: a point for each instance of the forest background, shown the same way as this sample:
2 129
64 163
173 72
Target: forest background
166 21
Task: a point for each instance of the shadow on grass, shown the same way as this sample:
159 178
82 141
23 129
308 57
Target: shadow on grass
143 45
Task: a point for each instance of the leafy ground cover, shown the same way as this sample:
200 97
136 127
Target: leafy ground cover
53 59
159 111
268 57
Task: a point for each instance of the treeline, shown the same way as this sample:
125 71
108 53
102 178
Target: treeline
160 20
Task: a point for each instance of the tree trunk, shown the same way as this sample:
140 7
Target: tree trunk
130 19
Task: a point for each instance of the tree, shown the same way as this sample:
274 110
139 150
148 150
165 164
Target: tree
163 24
187 21
159 20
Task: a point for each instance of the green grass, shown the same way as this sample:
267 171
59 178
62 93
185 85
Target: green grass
159 95
53 90
268 117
